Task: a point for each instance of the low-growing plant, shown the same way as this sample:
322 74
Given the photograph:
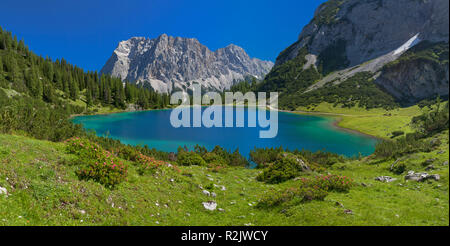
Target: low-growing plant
96 163
329 182
147 164
186 158
287 166
293 195
395 134
399 168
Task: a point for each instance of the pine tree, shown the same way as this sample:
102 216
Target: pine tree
88 97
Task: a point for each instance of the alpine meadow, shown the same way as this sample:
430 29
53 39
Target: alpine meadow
358 136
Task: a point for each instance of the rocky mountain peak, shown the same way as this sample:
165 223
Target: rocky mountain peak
166 63
366 29
403 43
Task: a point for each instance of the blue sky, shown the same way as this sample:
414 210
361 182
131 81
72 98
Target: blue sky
86 32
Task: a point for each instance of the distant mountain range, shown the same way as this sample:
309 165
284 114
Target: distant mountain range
172 63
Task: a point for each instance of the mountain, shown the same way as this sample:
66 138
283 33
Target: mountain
167 63
402 43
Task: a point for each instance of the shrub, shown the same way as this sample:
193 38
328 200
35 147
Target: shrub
329 183
263 157
294 195
96 163
214 160
147 164
435 121
185 158
411 143
397 133
399 168
287 166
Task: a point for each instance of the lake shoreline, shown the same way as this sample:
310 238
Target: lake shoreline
337 118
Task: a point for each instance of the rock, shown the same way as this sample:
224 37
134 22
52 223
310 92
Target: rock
210 205
339 204
445 163
386 179
302 163
348 211
367 35
82 212
429 167
213 194
3 191
220 186
172 156
205 192
167 63
436 177
221 210
420 177
429 161
434 141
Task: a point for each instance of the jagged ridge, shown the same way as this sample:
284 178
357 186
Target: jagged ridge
167 63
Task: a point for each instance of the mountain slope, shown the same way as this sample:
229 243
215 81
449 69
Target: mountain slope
167 63
347 37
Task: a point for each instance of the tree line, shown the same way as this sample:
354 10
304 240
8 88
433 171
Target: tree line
50 81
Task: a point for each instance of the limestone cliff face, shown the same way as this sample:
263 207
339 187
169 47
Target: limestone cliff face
349 36
412 80
167 63
371 28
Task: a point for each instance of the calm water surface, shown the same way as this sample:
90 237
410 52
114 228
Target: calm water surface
153 128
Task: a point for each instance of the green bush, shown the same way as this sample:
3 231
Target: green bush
292 195
214 160
329 183
287 166
186 158
307 189
96 163
264 157
432 122
397 133
399 168
411 143
147 164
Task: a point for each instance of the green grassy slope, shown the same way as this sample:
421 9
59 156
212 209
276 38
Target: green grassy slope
44 190
377 122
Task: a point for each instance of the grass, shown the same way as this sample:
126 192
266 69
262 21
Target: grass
44 190
376 122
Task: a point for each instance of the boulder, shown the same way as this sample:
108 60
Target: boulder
3 191
210 205
420 177
429 167
386 179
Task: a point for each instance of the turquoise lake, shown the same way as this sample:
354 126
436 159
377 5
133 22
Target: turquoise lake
295 131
